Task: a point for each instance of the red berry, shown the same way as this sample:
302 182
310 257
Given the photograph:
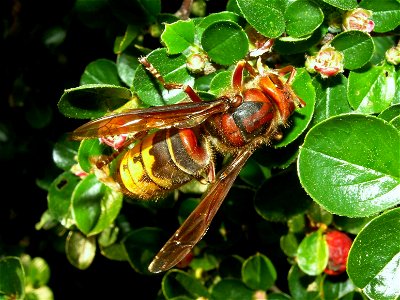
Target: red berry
339 246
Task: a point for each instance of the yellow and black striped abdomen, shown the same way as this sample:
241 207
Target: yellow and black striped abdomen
162 162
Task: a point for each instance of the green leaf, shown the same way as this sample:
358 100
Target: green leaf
258 272
178 36
64 153
220 82
338 290
318 215
94 205
172 68
126 66
331 95
141 245
386 13
302 18
80 250
205 263
298 284
232 289
271 24
217 17
92 101
303 87
89 150
371 90
356 46
373 261
137 12
390 113
287 45
232 48
101 71
12 278
289 244
342 4
122 42
313 253
350 164
59 197
177 283
350 225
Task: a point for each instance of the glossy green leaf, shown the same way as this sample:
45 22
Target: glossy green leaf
350 225
371 90
12 278
172 68
373 261
141 245
232 289
302 18
64 153
331 97
386 13
313 253
177 283
114 252
395 122
221 83
178 36
390 113
122 42
80 250
396 98
303 87
382 44
59 197
275 202
271 24
289 244
88 151
258 272
217 17
92 101
299 284
278 296
356 46
342 4
287 45
101 71
229 50
350 165
338 290
126 66
94 205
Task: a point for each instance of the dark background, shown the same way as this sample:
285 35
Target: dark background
35 72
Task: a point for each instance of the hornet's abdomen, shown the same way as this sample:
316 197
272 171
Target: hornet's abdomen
161 162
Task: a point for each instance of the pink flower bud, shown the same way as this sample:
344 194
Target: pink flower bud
77 171
116 142
328 62
393 55
358 19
